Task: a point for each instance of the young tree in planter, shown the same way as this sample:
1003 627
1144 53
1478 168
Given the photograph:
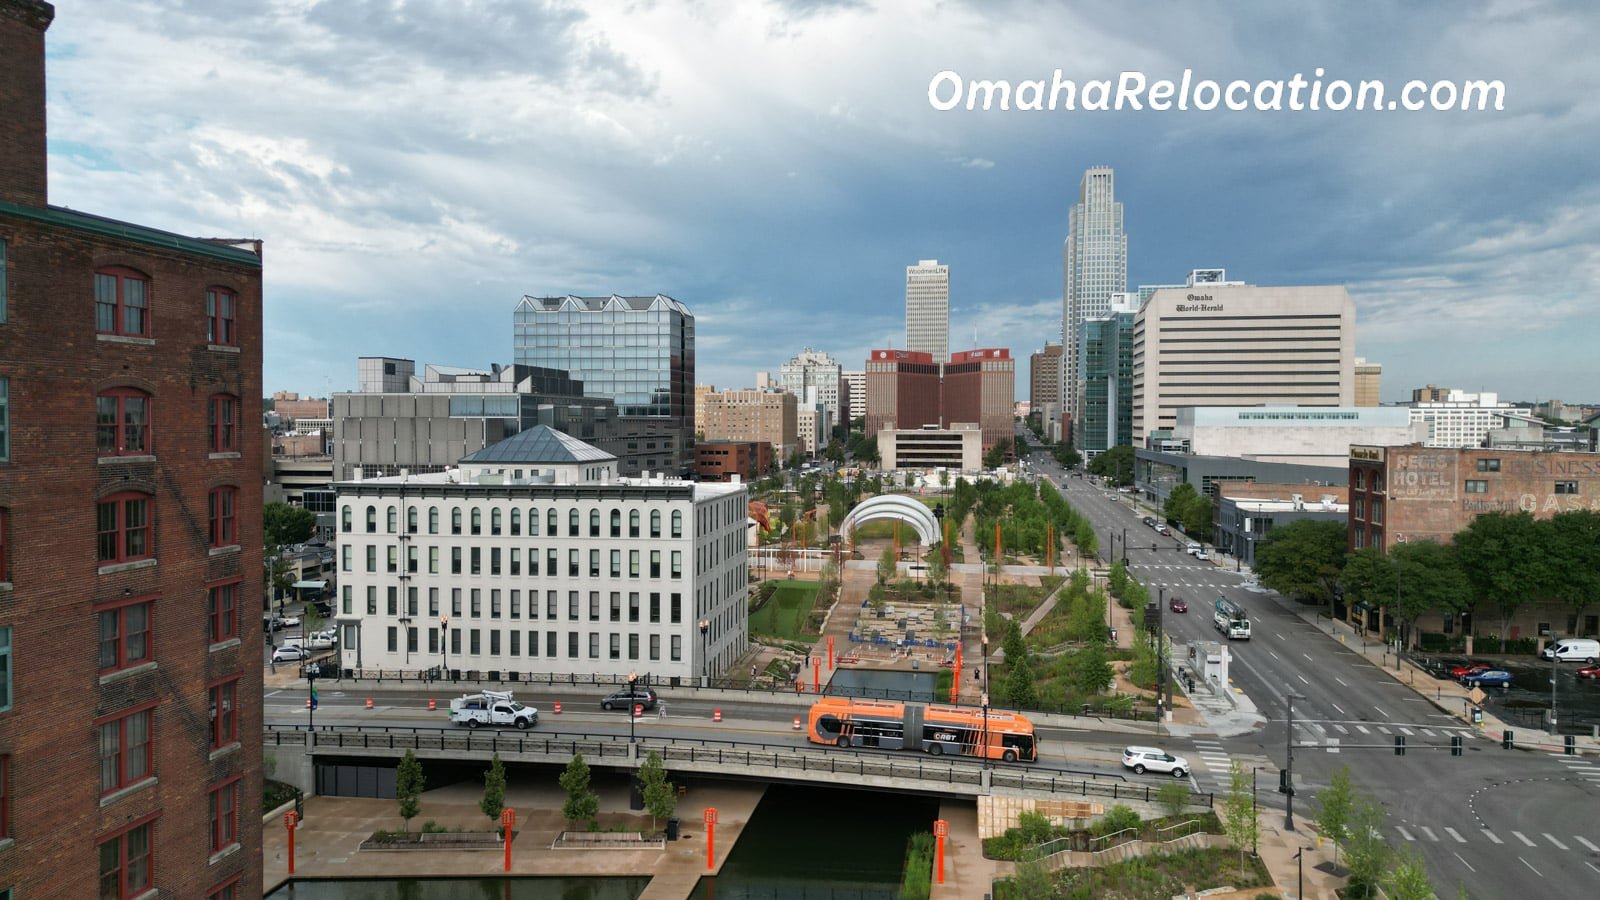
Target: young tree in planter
659 797
1368 855
494 790
888 564
581 804
1334 807
1407 878
408 784
1239 814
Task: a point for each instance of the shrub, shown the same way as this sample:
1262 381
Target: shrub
1116 819
916 881
1173 797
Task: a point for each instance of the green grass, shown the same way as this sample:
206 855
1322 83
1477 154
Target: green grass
1156 875
784 616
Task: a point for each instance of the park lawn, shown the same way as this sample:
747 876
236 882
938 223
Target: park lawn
785 615
1157 875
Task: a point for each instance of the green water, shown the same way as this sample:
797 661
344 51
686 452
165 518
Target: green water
808 843
465 889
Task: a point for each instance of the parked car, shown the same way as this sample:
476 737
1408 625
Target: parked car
1201 555
627 699
289 621
1154 759
1489 677
1149 521
1161 528
1469 668
1574 649
1177 605
1589 672
293 653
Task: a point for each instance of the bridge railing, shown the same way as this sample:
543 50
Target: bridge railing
718 753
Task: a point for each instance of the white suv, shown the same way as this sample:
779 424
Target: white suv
1155 759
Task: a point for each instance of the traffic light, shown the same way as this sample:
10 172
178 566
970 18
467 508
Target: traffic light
1285 786
938 511
1152 546
1399 745
1455 745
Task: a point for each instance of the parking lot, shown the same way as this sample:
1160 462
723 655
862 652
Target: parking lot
1525 703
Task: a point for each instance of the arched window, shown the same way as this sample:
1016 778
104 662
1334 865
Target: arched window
552 523
655 523
122 527
455 520
494 521
411 520
633 523
344 519
594 523
572 523
616 523
433 520
477 520
121 302
372 520
677 523
392 520
516 521
222 422
122 422
533 523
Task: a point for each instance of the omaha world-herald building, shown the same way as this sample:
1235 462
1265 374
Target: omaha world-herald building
533 557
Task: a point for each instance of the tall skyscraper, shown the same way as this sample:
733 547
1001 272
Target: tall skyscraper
1107 354
1095 266
928 309
130 535
814 378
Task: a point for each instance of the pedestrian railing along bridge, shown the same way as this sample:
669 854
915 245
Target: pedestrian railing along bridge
857 768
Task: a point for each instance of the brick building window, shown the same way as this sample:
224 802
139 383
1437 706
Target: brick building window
1567 487
224 803
121 302
224 700
222 423
221 305
224 517
125 639
125 756
5 533
5 668
1488 465
122 422
1477 486
5 796
122 525
229 891
5 418
222 613
126 863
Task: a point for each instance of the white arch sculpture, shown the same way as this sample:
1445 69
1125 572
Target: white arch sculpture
894 506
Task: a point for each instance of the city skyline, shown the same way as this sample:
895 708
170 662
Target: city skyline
576 151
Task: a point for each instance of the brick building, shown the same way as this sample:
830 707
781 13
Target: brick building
902 390
980 386
130 536
753 415
721 460
907 390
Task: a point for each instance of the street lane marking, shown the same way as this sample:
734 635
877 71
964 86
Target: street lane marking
1362 730
1452 833
1341 684
1406 732
1523 838
1404 833
1591 865
1465 863
1384 730
1381 712
1492 836
1427 831
1297 674
1336 706
1585 841
1306 655
1274 655
1530 867
1552 839
1342 729
1427 732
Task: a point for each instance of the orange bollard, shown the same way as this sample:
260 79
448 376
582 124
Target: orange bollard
558 707
508 820
796 723
289 821
432 705
711 837
716 715
816 677
369 703
940 829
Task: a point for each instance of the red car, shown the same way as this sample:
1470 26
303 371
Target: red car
1589 672
1466 669
1177 605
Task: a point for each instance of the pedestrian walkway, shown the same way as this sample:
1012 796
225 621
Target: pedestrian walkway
1562 840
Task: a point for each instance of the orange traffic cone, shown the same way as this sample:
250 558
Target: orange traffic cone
369 703
432 705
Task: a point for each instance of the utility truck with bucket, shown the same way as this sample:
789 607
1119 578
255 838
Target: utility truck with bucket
492 708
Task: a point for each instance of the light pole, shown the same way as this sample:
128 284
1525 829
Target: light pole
633 678
444 646
1288 771
405 636
1124 545
983 697
704 626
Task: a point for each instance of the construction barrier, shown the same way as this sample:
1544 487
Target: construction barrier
716 715
369 703
796 723
308 703
638 710
432 705
558 707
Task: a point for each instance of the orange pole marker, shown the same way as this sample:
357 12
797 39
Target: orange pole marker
816 676
711 837
796 723
508 819
940 829
830 652
289 821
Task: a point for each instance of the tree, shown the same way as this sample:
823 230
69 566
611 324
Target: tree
1303 559
1178 502
996 457
283 524
1367 855
1368 577
1091 671
1115 465
888 564
1239 822
1068 456
494 790
408 783
1015 646
1333 808
1427 577
1574 538
1020 691
1173 797
1407 878
1031 881
1504 562
660 798
280 575
581 803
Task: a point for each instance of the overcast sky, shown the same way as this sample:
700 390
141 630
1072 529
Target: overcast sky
416 167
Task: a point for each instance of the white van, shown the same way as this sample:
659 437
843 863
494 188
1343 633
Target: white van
1574 650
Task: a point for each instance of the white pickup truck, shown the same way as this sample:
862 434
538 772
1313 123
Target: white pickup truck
492 708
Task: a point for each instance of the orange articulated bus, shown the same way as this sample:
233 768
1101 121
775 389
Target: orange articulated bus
935 729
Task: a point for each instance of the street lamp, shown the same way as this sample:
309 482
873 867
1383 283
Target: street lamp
705 652
405 636
444 645
1124 545
983 697
633 678
1288 771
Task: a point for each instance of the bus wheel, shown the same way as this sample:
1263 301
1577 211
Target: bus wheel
936 750
844 741
1009 756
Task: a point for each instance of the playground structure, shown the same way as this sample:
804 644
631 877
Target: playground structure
906 630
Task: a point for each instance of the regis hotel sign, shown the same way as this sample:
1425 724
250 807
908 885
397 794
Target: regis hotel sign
1422 475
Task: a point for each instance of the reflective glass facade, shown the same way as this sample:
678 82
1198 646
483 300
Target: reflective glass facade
637 351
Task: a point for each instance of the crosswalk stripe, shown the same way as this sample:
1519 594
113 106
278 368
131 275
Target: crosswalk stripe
1552 839
1523 838
1492 836
1585 841
1428 832
1452 833
1404 833
1384 730
1362 729
1406 732
1428 733
1342 729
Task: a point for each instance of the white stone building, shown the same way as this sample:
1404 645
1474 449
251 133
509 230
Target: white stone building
534 557
1462 419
